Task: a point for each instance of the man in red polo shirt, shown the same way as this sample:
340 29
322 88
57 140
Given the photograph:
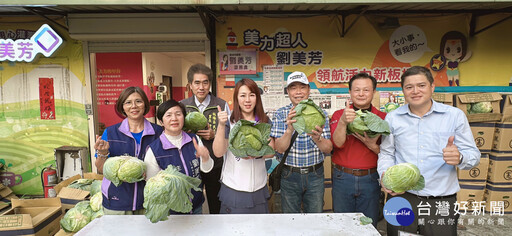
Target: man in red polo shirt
355 181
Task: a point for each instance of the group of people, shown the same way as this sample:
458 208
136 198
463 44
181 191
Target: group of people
433 136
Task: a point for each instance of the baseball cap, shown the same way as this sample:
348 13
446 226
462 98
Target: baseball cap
297 76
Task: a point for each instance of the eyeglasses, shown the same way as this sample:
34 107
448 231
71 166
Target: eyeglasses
129 103
365 91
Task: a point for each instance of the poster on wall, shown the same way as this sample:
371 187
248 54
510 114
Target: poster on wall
46 99
240 62
114 73
273 82
439 43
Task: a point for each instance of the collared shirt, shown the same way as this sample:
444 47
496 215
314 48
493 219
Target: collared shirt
353 153
420 141
304 151
203 105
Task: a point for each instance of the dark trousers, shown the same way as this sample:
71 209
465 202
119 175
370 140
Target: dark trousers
432 224
212 186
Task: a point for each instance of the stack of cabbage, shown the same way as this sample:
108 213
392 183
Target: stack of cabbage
403 177
124 169
368 122
308 115
169 190
479 107
83 213
195 121
91 185
248 138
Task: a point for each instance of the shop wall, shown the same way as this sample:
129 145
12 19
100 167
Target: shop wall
28 135
314 45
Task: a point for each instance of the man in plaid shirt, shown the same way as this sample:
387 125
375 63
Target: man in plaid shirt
302 179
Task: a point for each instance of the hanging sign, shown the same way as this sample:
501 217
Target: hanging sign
45 41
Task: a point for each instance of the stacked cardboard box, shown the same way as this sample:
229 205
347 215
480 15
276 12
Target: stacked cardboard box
462 101
472 182
39 217
445 98
328 185
70 196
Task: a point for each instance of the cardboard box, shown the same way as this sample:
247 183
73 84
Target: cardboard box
498 198
483 133
502 142
506 108
471 192
328 168
500 168
64 233
6 195
445 98
477 174
328 197
462 100
70 196
32 217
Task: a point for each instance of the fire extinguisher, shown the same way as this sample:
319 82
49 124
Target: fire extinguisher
49 180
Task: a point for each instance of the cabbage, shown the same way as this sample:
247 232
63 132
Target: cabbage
96 201
308 115
124 169
77 217
95 187
195 121
248 138
403 177
389 107
97 214
480 107
82 184
368 122
169 190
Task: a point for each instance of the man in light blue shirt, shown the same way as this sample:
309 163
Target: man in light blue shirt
437 139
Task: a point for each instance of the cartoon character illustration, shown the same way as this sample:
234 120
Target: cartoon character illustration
454 48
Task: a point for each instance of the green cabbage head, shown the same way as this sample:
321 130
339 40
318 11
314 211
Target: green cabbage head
124 169
82 184
403 177
96 201
480 107
389 107
95 187
368 122
77 217
169 190
248 138
195 121
308 115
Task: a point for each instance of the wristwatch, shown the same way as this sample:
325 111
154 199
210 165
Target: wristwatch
460 157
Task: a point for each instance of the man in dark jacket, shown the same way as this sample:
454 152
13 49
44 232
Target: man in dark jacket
199 79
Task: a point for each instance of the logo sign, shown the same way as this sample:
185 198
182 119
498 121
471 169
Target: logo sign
45 41
398 212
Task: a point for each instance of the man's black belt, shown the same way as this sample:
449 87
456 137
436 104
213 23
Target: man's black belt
304 170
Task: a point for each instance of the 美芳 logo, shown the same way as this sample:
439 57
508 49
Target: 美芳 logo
398 212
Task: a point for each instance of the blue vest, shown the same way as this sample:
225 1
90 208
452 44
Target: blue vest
185 160
127 196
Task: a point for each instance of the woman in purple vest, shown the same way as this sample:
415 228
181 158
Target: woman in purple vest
178 148
244 180
131 137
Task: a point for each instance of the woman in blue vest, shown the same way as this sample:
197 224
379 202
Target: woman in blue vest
131 137
244 180
178 148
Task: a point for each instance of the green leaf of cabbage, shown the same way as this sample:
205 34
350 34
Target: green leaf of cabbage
480 107
124 169
248 138
77 217
308 115
195 121
169 190
403 177
96 201
368 122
